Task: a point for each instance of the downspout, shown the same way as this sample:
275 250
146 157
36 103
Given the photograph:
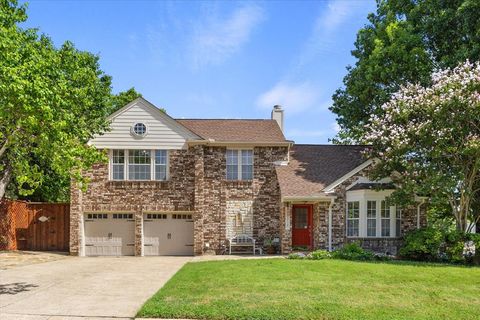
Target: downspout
332 200
418 213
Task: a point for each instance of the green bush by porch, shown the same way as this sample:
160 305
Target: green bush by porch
321 289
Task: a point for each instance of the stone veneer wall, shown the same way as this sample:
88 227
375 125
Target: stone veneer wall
239 215
196 183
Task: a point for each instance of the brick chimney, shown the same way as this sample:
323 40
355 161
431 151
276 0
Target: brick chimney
277 115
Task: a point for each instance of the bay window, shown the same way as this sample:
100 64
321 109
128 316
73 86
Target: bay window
139 165
370 215
239 164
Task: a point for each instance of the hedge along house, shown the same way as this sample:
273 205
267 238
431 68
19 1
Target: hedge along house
186 186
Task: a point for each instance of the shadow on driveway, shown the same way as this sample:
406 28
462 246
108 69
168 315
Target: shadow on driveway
16 287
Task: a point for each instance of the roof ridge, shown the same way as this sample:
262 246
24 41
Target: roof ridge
222 119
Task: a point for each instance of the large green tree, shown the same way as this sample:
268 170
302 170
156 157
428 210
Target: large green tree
52 101
404 41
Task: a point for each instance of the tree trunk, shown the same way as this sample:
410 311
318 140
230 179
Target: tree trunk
5 179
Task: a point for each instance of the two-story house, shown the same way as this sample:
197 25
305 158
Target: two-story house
186 186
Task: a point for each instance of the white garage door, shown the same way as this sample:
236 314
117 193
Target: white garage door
168 234
109 234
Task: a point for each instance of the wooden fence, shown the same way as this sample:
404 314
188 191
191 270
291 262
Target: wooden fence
34 226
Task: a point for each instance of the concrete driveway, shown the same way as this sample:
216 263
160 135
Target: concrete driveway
105 287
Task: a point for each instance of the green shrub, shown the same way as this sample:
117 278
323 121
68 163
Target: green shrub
295 256
319 255
353 251
443 245
422 244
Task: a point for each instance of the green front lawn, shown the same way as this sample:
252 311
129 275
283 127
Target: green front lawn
322 289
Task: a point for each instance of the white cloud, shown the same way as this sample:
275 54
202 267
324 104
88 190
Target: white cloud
335 127
293 97
215 39
325 27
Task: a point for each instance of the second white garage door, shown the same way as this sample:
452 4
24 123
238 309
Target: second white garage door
168 234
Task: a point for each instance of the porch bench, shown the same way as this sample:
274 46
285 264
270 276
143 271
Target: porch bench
241 240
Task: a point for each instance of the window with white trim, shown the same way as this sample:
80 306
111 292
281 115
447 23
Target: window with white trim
371 218
377 218
138 165
118 164
160 164
239 164
139 162
385 214
353 218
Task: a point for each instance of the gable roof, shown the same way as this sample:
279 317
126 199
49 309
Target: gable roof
155 111
313 167
233 130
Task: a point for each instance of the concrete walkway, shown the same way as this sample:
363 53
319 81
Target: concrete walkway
83 288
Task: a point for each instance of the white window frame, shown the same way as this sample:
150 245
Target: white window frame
126 163
363 196
239 163
354 219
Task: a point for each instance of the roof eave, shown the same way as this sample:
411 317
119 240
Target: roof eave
211 142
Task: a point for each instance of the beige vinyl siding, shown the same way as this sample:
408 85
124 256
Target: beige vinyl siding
162 131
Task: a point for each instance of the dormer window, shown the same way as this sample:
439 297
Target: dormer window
139 129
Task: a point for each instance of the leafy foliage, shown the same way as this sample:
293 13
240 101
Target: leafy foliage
319 255
436 244
430 136
353 251
404 42
53 100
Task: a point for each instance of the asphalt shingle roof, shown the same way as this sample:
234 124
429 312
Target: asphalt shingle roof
232 130
313 167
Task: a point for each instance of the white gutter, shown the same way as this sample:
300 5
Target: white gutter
332 200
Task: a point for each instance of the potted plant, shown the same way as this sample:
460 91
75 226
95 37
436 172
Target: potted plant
269 245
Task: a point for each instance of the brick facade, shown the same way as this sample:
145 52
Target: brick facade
197 184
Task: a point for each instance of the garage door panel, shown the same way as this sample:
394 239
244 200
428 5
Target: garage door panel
109 236
164 235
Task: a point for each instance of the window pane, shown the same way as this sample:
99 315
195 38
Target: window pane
139 157
160 156
118 156
139 172
118 163
232 164
354 210
385 227
352 228
300 218
247 164
118 172
371 227
385 210
371 209
160 172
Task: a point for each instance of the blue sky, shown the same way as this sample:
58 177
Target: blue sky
219 59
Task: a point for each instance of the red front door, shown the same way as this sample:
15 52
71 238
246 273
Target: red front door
302 226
